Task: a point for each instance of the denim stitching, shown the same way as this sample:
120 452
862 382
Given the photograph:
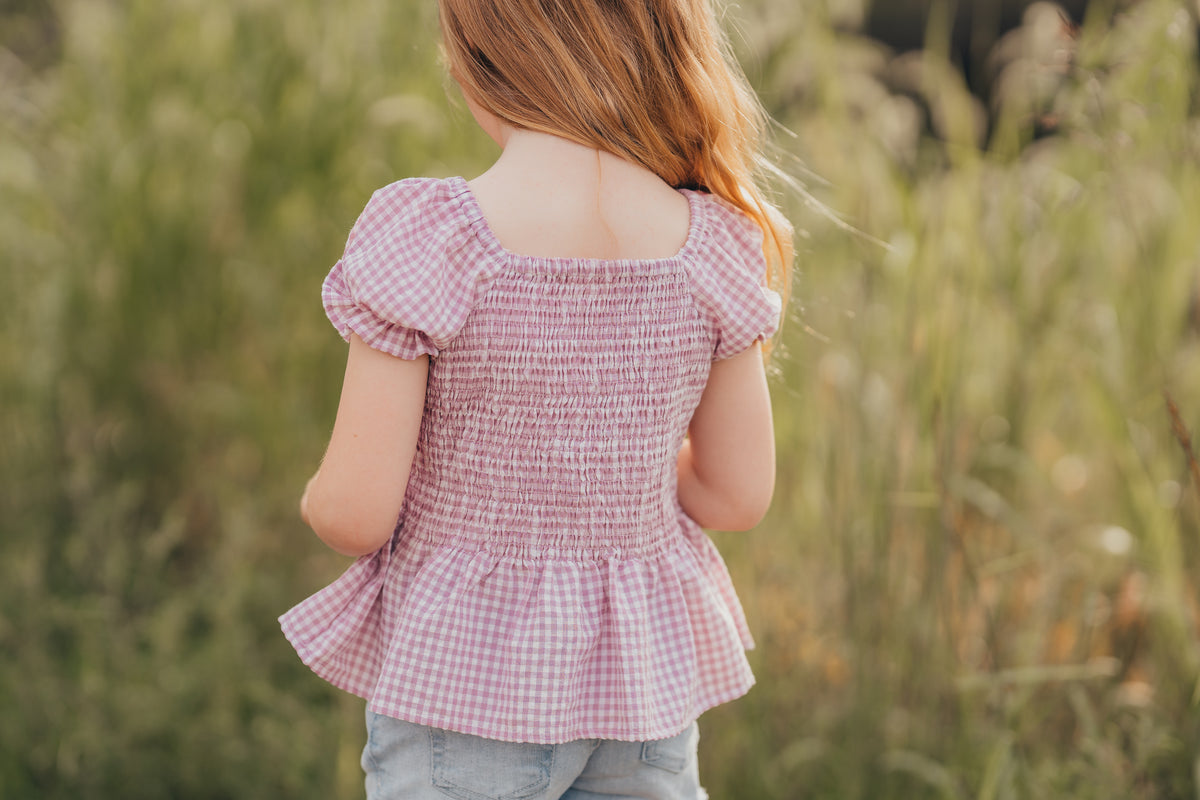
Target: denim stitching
447 787
653 756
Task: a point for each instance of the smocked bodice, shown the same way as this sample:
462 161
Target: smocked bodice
564 442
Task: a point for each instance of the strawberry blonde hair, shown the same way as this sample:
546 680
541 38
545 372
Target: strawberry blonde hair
652 81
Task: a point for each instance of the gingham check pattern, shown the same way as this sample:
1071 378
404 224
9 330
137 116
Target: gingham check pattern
543 584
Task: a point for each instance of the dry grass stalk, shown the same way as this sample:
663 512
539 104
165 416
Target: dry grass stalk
1184 437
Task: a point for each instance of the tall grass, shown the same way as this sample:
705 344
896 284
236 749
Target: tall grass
180 182
979 576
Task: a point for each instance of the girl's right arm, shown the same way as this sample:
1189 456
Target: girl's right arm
727 464
353 502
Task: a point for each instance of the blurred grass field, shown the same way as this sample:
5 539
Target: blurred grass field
979 577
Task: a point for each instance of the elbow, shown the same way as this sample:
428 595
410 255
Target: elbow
736 511
753 499
354 533
748 519
730 500
351 537
742 514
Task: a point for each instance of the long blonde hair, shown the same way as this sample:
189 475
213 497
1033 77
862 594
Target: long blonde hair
652 81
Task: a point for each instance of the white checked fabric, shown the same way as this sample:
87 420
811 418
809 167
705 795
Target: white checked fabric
542 584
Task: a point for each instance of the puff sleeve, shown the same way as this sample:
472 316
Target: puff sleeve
729 283
408 277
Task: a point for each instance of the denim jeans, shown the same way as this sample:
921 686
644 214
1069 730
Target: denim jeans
405 761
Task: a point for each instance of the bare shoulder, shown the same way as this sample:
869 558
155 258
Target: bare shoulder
652 218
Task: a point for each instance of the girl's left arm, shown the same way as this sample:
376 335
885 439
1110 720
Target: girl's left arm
353 502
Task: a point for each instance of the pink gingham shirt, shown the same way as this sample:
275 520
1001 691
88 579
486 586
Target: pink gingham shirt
543 583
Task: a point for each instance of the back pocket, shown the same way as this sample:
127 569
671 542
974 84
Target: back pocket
672 754
469 767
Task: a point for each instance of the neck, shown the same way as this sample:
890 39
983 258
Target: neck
534 153
522 144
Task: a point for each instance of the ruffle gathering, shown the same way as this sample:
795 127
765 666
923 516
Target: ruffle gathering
543 583
518 649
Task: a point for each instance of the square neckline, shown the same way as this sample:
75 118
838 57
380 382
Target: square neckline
482 229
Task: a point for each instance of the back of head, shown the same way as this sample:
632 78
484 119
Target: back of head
651 81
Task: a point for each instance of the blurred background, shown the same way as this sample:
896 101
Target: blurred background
979 577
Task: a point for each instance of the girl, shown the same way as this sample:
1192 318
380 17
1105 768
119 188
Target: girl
555 379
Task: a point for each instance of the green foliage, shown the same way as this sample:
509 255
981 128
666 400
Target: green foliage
181 181
978 579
